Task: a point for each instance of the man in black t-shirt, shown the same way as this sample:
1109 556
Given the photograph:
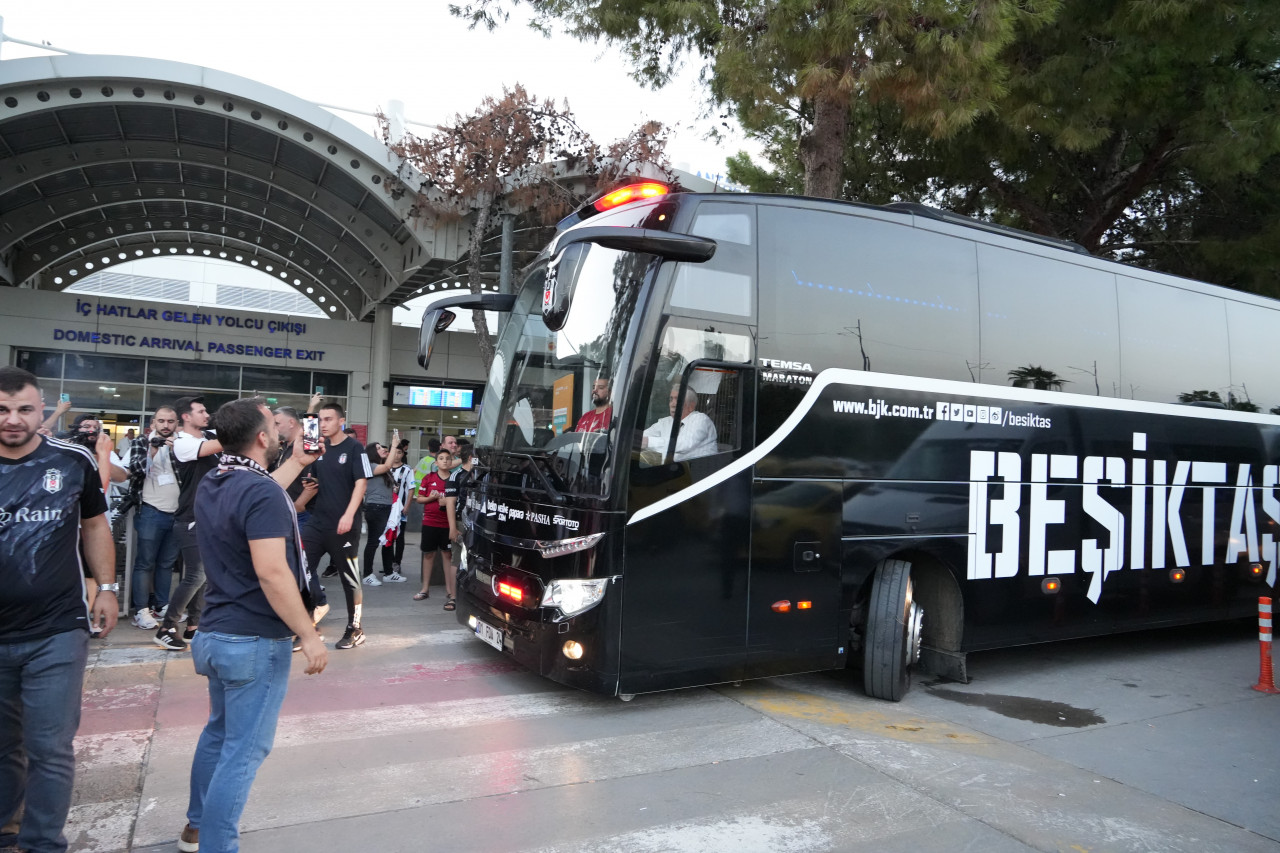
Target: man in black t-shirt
332 527
51 506
248 533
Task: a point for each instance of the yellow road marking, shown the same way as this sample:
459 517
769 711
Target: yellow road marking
820 709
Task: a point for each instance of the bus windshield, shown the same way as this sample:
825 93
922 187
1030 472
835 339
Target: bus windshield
542 382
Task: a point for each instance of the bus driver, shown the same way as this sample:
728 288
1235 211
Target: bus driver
697 436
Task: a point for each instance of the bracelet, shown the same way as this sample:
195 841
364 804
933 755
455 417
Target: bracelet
109 587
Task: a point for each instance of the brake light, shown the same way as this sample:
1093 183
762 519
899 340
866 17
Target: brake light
628 194
510 591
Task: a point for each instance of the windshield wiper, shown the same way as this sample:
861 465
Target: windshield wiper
535 464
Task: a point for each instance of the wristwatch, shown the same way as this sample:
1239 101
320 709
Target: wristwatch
109 587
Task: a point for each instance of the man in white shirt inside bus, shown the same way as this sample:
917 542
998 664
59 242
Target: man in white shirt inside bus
697 436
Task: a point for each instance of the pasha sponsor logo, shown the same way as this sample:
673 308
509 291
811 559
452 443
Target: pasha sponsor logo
26 515
1135 505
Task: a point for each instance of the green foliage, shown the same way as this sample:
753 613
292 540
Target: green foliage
1145 130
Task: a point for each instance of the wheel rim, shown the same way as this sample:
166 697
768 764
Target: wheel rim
915 627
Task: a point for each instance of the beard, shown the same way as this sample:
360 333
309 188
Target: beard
18 437
599 400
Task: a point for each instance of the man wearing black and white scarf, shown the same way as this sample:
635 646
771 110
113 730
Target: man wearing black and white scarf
257 578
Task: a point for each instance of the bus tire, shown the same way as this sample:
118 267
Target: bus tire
892 643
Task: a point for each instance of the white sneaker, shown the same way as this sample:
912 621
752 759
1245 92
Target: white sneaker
144 620
319 613
394 577
372 580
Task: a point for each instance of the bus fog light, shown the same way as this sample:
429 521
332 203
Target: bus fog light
574 596
573 650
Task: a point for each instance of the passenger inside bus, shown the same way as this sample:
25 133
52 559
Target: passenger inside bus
697 435
598 419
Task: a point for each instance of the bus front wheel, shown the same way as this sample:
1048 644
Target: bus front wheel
892 643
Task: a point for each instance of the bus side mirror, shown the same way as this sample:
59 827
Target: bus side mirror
437 318
434 321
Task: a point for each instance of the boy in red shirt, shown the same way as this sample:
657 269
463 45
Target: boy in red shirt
438 493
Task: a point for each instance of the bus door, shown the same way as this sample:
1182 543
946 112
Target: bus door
685 577
795 573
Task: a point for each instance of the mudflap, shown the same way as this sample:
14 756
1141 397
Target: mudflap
945 663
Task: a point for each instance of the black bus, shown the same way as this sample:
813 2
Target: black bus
844 434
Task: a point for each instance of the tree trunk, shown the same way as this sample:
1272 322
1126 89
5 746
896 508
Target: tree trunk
484 214
822 147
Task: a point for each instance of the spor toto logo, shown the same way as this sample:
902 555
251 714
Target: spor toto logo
27 515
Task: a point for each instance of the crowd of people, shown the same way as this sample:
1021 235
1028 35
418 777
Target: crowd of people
240 505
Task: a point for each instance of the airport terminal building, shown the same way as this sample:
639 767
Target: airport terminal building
120 358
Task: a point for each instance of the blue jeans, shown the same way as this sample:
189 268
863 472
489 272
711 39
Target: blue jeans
41 683
248 677
157 551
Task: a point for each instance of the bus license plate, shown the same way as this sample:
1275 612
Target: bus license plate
490 634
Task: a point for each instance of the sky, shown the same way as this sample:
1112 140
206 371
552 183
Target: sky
362 55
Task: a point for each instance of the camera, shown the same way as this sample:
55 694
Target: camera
157 441
87 439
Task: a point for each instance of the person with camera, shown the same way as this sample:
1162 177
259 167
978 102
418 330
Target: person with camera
52 517
152 467
379 499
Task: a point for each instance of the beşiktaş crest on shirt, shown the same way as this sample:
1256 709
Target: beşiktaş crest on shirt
52 481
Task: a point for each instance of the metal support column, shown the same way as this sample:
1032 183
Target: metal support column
508 250
379 373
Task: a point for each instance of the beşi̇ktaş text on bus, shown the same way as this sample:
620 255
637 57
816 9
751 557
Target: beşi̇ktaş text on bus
1156 488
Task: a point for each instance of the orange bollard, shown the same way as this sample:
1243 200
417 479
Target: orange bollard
1266 678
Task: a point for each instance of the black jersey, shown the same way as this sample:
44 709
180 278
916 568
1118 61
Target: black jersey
337 472
43 497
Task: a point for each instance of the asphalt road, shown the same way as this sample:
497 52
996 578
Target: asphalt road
425 738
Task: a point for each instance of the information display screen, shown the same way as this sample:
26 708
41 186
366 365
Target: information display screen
431 396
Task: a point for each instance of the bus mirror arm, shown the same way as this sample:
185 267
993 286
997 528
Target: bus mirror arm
664 244
531 464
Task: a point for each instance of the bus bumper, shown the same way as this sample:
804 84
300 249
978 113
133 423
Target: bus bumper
539 644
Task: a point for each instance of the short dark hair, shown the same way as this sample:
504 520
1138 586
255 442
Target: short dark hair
335 407
288 412
182 406
433 446
14 379
239 423
165 408
464 451
87 416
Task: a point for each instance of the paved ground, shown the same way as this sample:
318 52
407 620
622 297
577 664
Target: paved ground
425 738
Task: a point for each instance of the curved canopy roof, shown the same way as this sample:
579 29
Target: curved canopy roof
105 159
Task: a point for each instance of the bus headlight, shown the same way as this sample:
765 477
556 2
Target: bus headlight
575 596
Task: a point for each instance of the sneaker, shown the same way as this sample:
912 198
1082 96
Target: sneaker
353 637
189 840
169 639
319 613
144 620
189 633
394 577
371 579
330 572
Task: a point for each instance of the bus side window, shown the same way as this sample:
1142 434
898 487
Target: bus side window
713 399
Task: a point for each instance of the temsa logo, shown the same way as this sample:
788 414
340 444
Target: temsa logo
778 364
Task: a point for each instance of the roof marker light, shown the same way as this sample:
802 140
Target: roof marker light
628 194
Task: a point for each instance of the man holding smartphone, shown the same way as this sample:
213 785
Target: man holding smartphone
51 501
333 527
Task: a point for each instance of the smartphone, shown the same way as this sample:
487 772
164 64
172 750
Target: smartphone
319 389
311 432
65 398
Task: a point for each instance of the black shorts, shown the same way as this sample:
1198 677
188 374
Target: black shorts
434 539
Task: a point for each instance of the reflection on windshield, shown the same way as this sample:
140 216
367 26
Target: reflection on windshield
543 384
